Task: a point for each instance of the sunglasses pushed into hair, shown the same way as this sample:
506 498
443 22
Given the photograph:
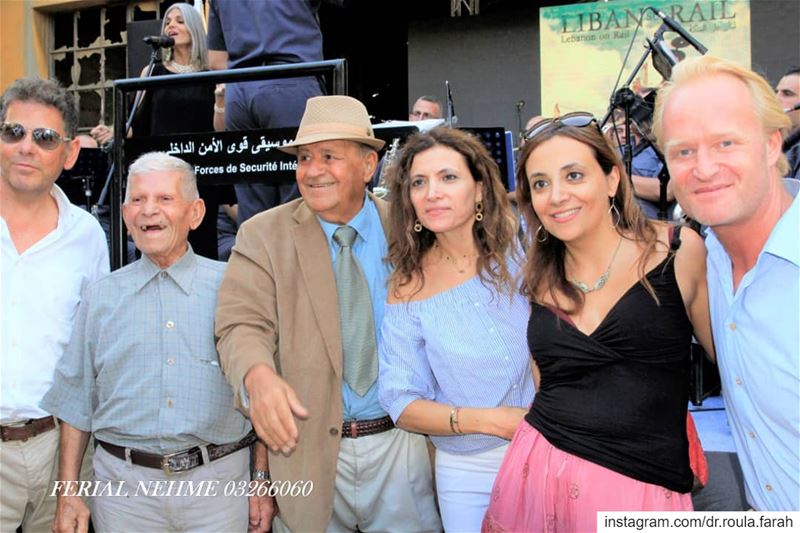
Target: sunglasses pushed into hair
45 138
579 119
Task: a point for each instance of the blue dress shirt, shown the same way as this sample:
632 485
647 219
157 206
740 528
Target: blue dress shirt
758 349
370 249
647 164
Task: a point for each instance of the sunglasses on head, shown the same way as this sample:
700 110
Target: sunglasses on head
579 119
45 138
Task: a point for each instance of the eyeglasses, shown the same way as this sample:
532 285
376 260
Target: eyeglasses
421 115
44 138
579 119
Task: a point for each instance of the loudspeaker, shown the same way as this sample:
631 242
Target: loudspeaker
138 51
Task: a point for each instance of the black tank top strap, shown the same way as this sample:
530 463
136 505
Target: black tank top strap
675 237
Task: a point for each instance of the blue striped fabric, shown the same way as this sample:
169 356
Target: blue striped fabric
463 347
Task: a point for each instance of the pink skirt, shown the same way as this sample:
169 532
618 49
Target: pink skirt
540 488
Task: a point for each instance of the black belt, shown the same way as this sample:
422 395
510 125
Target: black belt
179 461
28 430
353 429
256 62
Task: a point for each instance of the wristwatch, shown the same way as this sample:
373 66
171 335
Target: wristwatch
261 475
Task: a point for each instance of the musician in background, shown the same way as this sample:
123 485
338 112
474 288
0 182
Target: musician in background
426 107
788 92
646 165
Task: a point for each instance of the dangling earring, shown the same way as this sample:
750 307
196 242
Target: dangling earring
478 211
417 226
538 230
614 211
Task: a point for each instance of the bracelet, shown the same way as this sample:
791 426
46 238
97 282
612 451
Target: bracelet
261 475
218 109
453 420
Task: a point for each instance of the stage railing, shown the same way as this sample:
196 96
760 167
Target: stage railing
335 71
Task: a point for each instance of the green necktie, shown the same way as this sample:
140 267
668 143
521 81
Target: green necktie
355 313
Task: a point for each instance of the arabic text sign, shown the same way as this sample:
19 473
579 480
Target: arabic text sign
225 157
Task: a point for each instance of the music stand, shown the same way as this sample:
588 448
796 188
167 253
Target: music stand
495 141
91 165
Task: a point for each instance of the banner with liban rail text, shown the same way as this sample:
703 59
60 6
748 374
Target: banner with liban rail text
583 45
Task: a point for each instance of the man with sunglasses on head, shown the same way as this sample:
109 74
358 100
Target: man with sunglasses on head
50 250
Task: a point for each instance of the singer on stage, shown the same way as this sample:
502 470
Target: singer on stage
184 109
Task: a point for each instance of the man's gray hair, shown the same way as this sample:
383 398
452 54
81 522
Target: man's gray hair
157 162
45 92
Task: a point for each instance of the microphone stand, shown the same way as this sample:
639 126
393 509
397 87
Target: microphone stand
452 119
648 49
624 98
663 177
128 122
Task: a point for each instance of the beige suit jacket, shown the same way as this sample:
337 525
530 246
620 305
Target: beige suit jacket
278 305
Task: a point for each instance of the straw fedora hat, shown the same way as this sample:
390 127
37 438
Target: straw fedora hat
334 118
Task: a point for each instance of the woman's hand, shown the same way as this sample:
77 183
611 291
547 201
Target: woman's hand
506 420
219 91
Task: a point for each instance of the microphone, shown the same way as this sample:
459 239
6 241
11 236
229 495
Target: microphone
680 30
663 58
520 105
451 108
795 107
160 41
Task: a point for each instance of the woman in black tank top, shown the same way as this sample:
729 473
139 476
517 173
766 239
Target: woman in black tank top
615 300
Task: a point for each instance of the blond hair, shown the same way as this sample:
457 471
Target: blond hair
767 107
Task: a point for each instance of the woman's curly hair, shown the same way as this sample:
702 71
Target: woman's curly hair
493 235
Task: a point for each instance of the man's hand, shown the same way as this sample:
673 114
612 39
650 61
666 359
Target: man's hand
273 406
72 515
262 510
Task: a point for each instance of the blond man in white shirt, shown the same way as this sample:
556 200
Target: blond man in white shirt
50 250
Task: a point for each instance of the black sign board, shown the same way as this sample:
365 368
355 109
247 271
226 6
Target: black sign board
228 157
225 157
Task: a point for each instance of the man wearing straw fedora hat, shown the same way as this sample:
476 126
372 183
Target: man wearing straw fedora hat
298 317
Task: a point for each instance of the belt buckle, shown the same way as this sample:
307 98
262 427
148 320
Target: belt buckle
165 466
33 431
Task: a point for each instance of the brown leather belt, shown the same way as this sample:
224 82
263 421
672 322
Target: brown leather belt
28 430
353 429
179 461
